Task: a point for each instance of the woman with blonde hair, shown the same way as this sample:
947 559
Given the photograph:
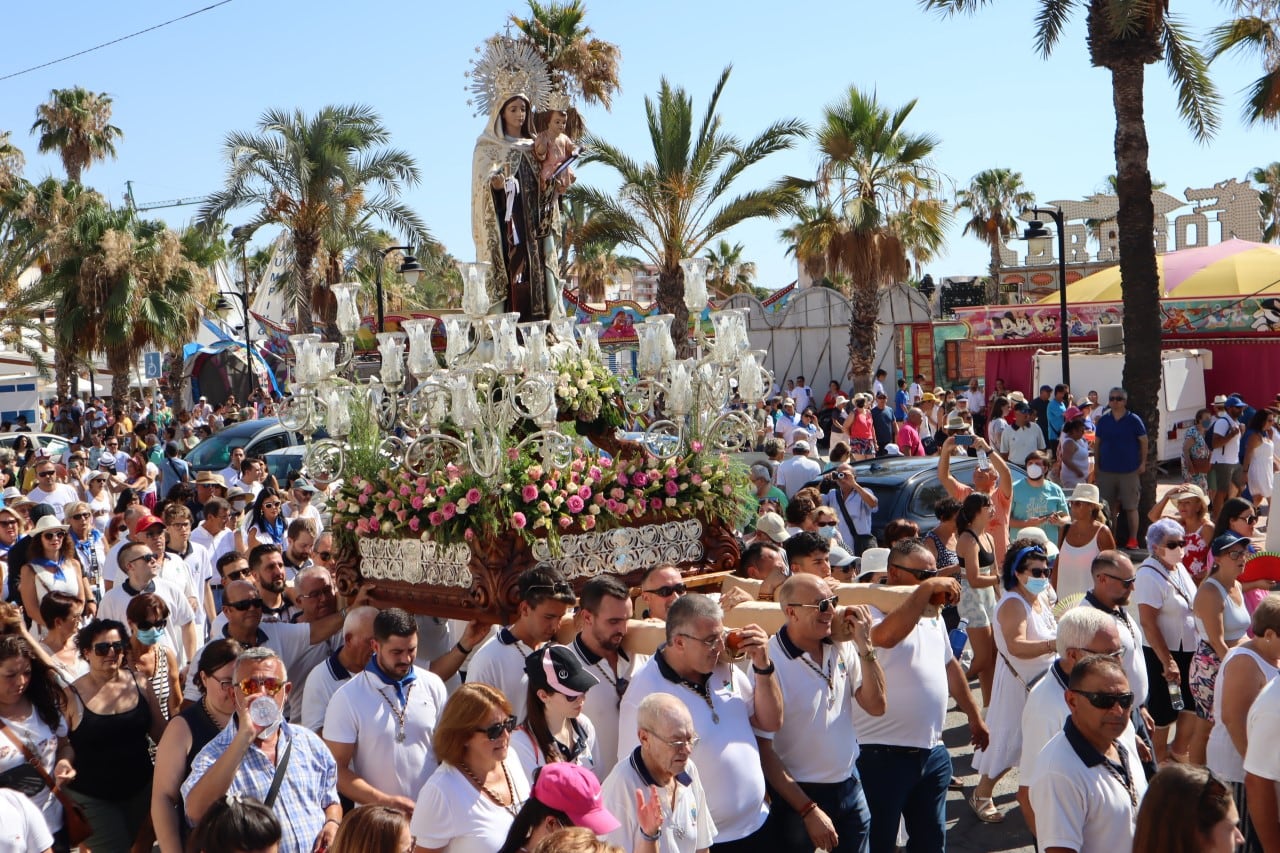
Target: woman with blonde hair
373 829
574 839
1084 537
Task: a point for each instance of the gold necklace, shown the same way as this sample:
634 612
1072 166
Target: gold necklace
511 791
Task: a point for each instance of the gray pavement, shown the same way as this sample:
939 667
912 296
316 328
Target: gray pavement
965 833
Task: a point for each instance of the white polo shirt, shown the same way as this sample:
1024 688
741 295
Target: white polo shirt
1263 727
115 602
216 544
816 743
727 753
584 750
322 683
1079 803
915 674
290 642
604 700
1131 638
686 828
451 813
499 662
361 713
200 571
1043 717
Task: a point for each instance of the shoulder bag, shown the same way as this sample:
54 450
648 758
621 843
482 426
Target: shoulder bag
75 821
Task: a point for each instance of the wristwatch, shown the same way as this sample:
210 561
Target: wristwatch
869 654
768 670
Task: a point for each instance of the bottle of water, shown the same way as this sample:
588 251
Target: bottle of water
959 637
1175 696
983 462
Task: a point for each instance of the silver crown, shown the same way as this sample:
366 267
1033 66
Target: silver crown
506 68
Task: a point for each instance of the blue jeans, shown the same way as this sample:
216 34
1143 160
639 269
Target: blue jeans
907 783
844 803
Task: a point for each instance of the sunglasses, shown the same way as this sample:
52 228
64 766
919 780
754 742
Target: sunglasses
1247 519
919 574
496 731
150 558
1036 572
53 534
9 522
557 588
668 590
827 524
45 473
249 686
325 555
81 516
238 574
147 625
247 604
271 505
1176 543
104 649
1126 582
1106 701
825 605
1117 399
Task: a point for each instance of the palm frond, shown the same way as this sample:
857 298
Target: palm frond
1198 100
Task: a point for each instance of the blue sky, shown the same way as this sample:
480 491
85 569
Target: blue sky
981 89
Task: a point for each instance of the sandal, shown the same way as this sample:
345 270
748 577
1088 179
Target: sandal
985 809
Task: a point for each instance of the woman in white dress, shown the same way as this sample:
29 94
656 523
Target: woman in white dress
996 424
1026 633
51 565
1082 539
1259 456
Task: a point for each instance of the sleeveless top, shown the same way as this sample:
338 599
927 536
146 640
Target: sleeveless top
1235 617
1075 566
112 761
1222 757
946 557
203 729
50 577
160 680
985 558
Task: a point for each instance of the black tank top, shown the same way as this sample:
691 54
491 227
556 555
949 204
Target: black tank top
203 729
112 760
985 557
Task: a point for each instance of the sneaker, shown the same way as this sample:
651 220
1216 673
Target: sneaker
1131 545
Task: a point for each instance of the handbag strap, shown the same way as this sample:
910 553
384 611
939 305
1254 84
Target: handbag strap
1026 687
34 761
278 778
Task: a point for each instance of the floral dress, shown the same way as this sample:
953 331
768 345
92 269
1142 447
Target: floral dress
1200 452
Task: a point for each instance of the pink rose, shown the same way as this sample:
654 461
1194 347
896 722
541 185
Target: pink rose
606 463
534 472
617 493
553 484
394 505
473 496
368 489
671 487
363 499
449 510
512 454
404 491
402 515
564 522
415 524
575 504
656 503
588 522
440 491
421 484
351 525
622 480
594 473
518 520
468 534
585 492
696 445
672 473
697 479
640 479
436 518
529 493
611 505
416 502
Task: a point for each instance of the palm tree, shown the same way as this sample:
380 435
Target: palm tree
673 207
725 260
77 124
11 161
1124 37
1268 180
1255 27
22 249
586 66
309 175
993 199
595 264
875 204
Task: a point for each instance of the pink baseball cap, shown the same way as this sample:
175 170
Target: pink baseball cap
574 790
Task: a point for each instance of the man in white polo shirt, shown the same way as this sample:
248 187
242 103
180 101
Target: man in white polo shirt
350 659
810 763
544 597
1082 631
605 605
380 723
728 708
904 766
1087 784
785 423
140 566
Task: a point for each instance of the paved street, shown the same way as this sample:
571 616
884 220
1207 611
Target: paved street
965 833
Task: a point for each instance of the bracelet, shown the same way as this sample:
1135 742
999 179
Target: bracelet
768 670
647 837
807 808
332 821
465 651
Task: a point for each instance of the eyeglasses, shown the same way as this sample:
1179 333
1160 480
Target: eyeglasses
1176 543
668 590
1106 701
691 744
919 574
1247 519
179 524
1036 572
319 593
224 683
824 605
1236 554
247 604
102 650
710 642
53 534
496 731
272 686
1127 582
146 625
325 555
238 574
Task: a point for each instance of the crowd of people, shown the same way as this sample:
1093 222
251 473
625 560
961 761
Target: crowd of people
176 667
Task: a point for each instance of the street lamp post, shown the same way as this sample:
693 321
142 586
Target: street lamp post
1035 230
409 268
242 234
223 304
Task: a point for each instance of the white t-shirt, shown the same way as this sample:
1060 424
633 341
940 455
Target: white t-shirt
1175 618
1042 719
216 545
1263 728
784 426
289 641
451 813
200 573
322 683
116 601
1133 661
499 662
1229 453
532 757
793 473
1221 756
603 704
915 393
816 743
803 397
35 732
686 828
727 753
61 495
1081 808
359 714
22 827
915 689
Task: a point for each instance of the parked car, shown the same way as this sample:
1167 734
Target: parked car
286 461
257 437
908 487
56 444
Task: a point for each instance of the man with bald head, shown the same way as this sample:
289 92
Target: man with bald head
660 767
995 481
660 587
350 658
810 762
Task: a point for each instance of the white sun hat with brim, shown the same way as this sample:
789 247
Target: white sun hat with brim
1039 537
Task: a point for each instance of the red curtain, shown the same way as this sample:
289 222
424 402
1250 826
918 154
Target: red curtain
1013 365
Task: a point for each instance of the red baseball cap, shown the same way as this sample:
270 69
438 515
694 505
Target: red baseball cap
147 522
574 790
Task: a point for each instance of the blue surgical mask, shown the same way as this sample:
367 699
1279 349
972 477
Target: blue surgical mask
1035 586
150 636
1206 423
827 532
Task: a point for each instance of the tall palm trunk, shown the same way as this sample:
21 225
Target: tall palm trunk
993 290
864 298
1140 281
119 363
305 247
63 367
671 301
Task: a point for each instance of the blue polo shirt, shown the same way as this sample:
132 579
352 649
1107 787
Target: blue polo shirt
1119 452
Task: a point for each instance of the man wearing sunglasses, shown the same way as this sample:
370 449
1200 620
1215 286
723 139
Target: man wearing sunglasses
1087 782
1082 631
904 765
659 589
545 596
605 606
729 708
246 757
1120 442
810 762
48 490
140 566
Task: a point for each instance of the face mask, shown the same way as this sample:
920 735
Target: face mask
1206 423
150 636
1035 472
1035 586
827 532
264 712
